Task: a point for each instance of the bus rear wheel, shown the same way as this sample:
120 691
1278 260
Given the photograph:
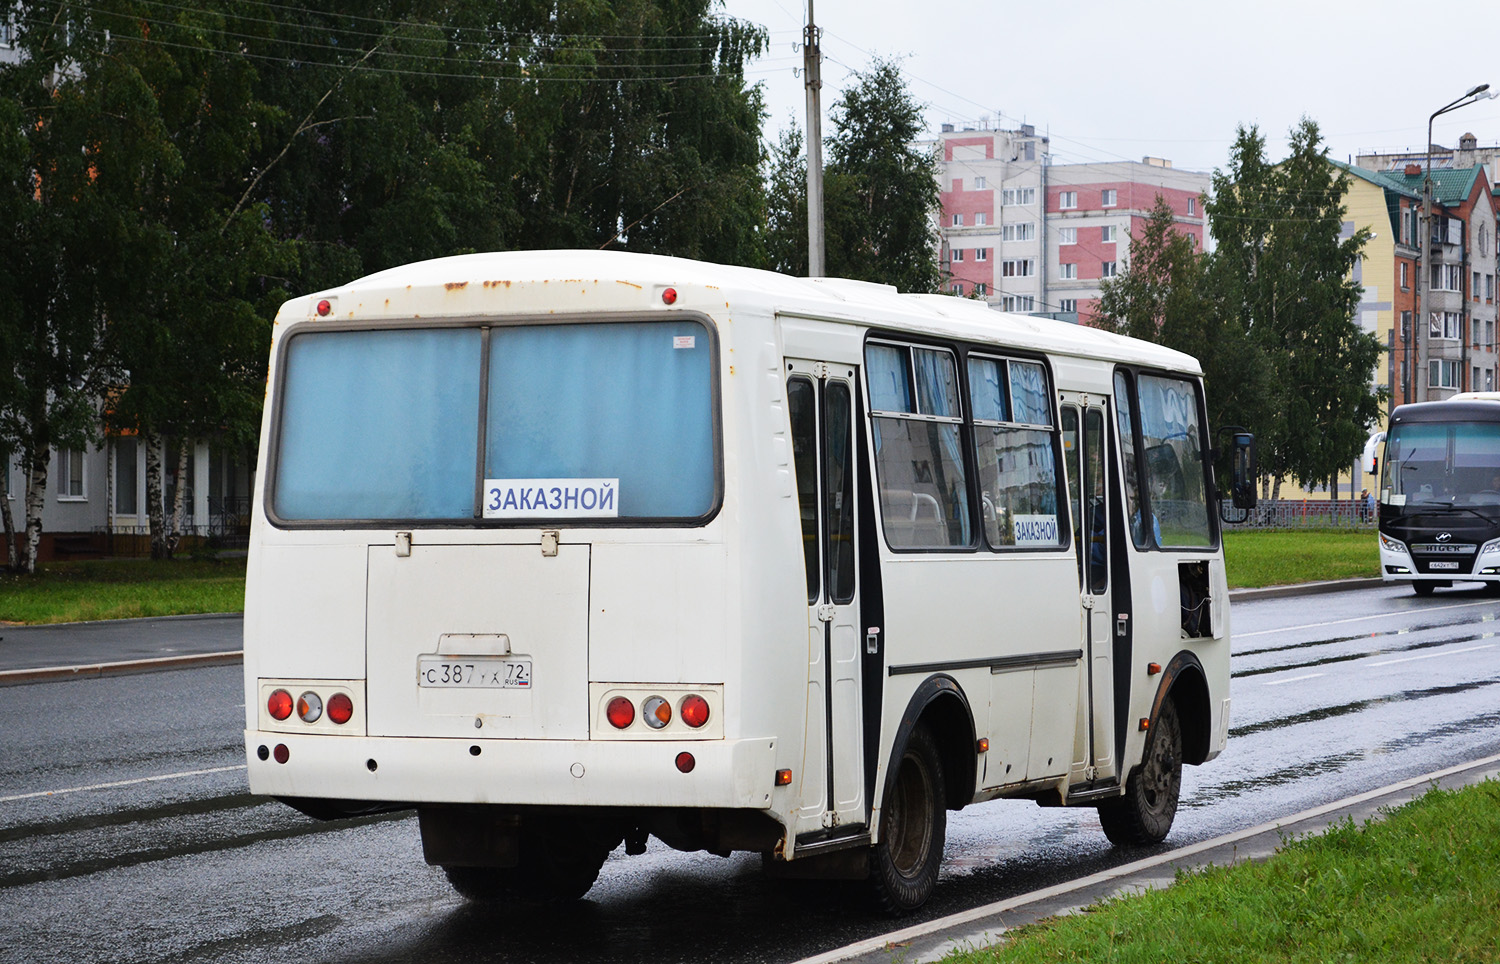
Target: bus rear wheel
1144 814
913 825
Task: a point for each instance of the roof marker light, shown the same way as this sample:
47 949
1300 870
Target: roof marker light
669 296
324 308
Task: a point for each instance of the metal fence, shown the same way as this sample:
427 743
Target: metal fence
1304 514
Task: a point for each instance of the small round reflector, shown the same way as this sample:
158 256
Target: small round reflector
281 753
310 707
685 762
620 712
669 296
340 708
656 711
694 710
279 705
324 307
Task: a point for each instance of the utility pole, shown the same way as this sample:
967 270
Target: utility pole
812 74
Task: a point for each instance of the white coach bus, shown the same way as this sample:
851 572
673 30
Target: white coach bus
565 549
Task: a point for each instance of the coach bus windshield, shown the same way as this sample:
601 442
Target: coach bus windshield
579 421
1451 463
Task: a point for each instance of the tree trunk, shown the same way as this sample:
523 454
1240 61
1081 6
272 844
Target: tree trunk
36 499
179 497
12 546
154 506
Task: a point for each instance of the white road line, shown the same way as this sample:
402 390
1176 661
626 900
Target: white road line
1293 679
1446 652
121 783
1359 619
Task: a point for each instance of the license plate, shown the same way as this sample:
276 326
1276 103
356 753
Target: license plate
1442 565
481 672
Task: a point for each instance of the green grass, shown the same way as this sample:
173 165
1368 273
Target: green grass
65 592
1420 885
1277 557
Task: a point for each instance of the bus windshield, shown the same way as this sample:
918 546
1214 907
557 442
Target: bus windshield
1452 463
600 421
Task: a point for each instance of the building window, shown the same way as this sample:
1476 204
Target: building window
1067 200
957 289
1192 206
1107 197
127 487
1474 291
1484 240
1108 269
979 289
1443 374
1489 287
1405 325
1069 304
1447 277
958 255
1067 236
978 183
1019 268
1444 324
1068 271
1107 234
1026 231
70 474
981 218
1018 195
1405 277
981 254
958 220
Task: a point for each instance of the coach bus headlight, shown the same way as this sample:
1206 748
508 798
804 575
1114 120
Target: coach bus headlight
1492 546
1392 545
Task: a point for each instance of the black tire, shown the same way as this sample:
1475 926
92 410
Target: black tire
556 866
1423 588
1492 589
913 826
1144 814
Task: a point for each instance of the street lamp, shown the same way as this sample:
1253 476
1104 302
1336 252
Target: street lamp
1424 240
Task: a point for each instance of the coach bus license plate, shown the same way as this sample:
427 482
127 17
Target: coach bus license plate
1442 565
486 672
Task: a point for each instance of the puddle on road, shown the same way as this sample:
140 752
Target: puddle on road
1414 647
1344 709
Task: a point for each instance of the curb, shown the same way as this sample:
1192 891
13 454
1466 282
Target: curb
1304 589
17 677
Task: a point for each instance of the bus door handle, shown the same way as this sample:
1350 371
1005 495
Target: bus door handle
1122 625
872 640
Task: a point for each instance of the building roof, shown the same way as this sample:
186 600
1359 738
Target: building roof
1449 185
1380 179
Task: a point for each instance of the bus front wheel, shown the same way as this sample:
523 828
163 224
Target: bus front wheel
1144 814
1423 588
913 824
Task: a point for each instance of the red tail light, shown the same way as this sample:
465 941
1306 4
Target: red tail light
279 705
620 712
685 762
340 708
694 710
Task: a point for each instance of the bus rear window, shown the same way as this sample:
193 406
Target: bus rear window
598 421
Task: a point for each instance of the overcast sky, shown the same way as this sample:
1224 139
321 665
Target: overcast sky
1169 78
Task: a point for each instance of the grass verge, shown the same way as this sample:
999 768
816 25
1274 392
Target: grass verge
1278 557
66 592
1419 885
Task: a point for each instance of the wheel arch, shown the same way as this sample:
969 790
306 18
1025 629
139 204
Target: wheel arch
1186 684
940 703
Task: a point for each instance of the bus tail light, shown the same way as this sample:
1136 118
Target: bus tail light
340 708
685 762
694 710
310 707
620 712
279 705
656 711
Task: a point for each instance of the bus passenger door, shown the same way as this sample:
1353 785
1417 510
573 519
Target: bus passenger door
821 404
1084 422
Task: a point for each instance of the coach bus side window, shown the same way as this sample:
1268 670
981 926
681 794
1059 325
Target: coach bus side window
915 421
1175 469
1014 451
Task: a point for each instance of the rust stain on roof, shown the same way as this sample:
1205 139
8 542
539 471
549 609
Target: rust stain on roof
630 283
496 284
456 285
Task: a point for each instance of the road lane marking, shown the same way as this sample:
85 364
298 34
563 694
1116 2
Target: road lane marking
1446 652
122 783
1293 679
1360 619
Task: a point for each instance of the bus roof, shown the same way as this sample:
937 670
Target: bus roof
858 302
1450 410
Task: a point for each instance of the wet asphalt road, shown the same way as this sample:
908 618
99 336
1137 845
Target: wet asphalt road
126 833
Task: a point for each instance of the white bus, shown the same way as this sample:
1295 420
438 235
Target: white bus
565 549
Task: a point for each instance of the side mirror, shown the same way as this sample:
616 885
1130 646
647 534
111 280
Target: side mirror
1242 468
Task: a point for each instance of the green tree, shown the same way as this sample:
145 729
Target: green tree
1285 270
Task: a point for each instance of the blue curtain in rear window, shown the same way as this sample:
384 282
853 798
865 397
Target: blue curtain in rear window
379 425
631 401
